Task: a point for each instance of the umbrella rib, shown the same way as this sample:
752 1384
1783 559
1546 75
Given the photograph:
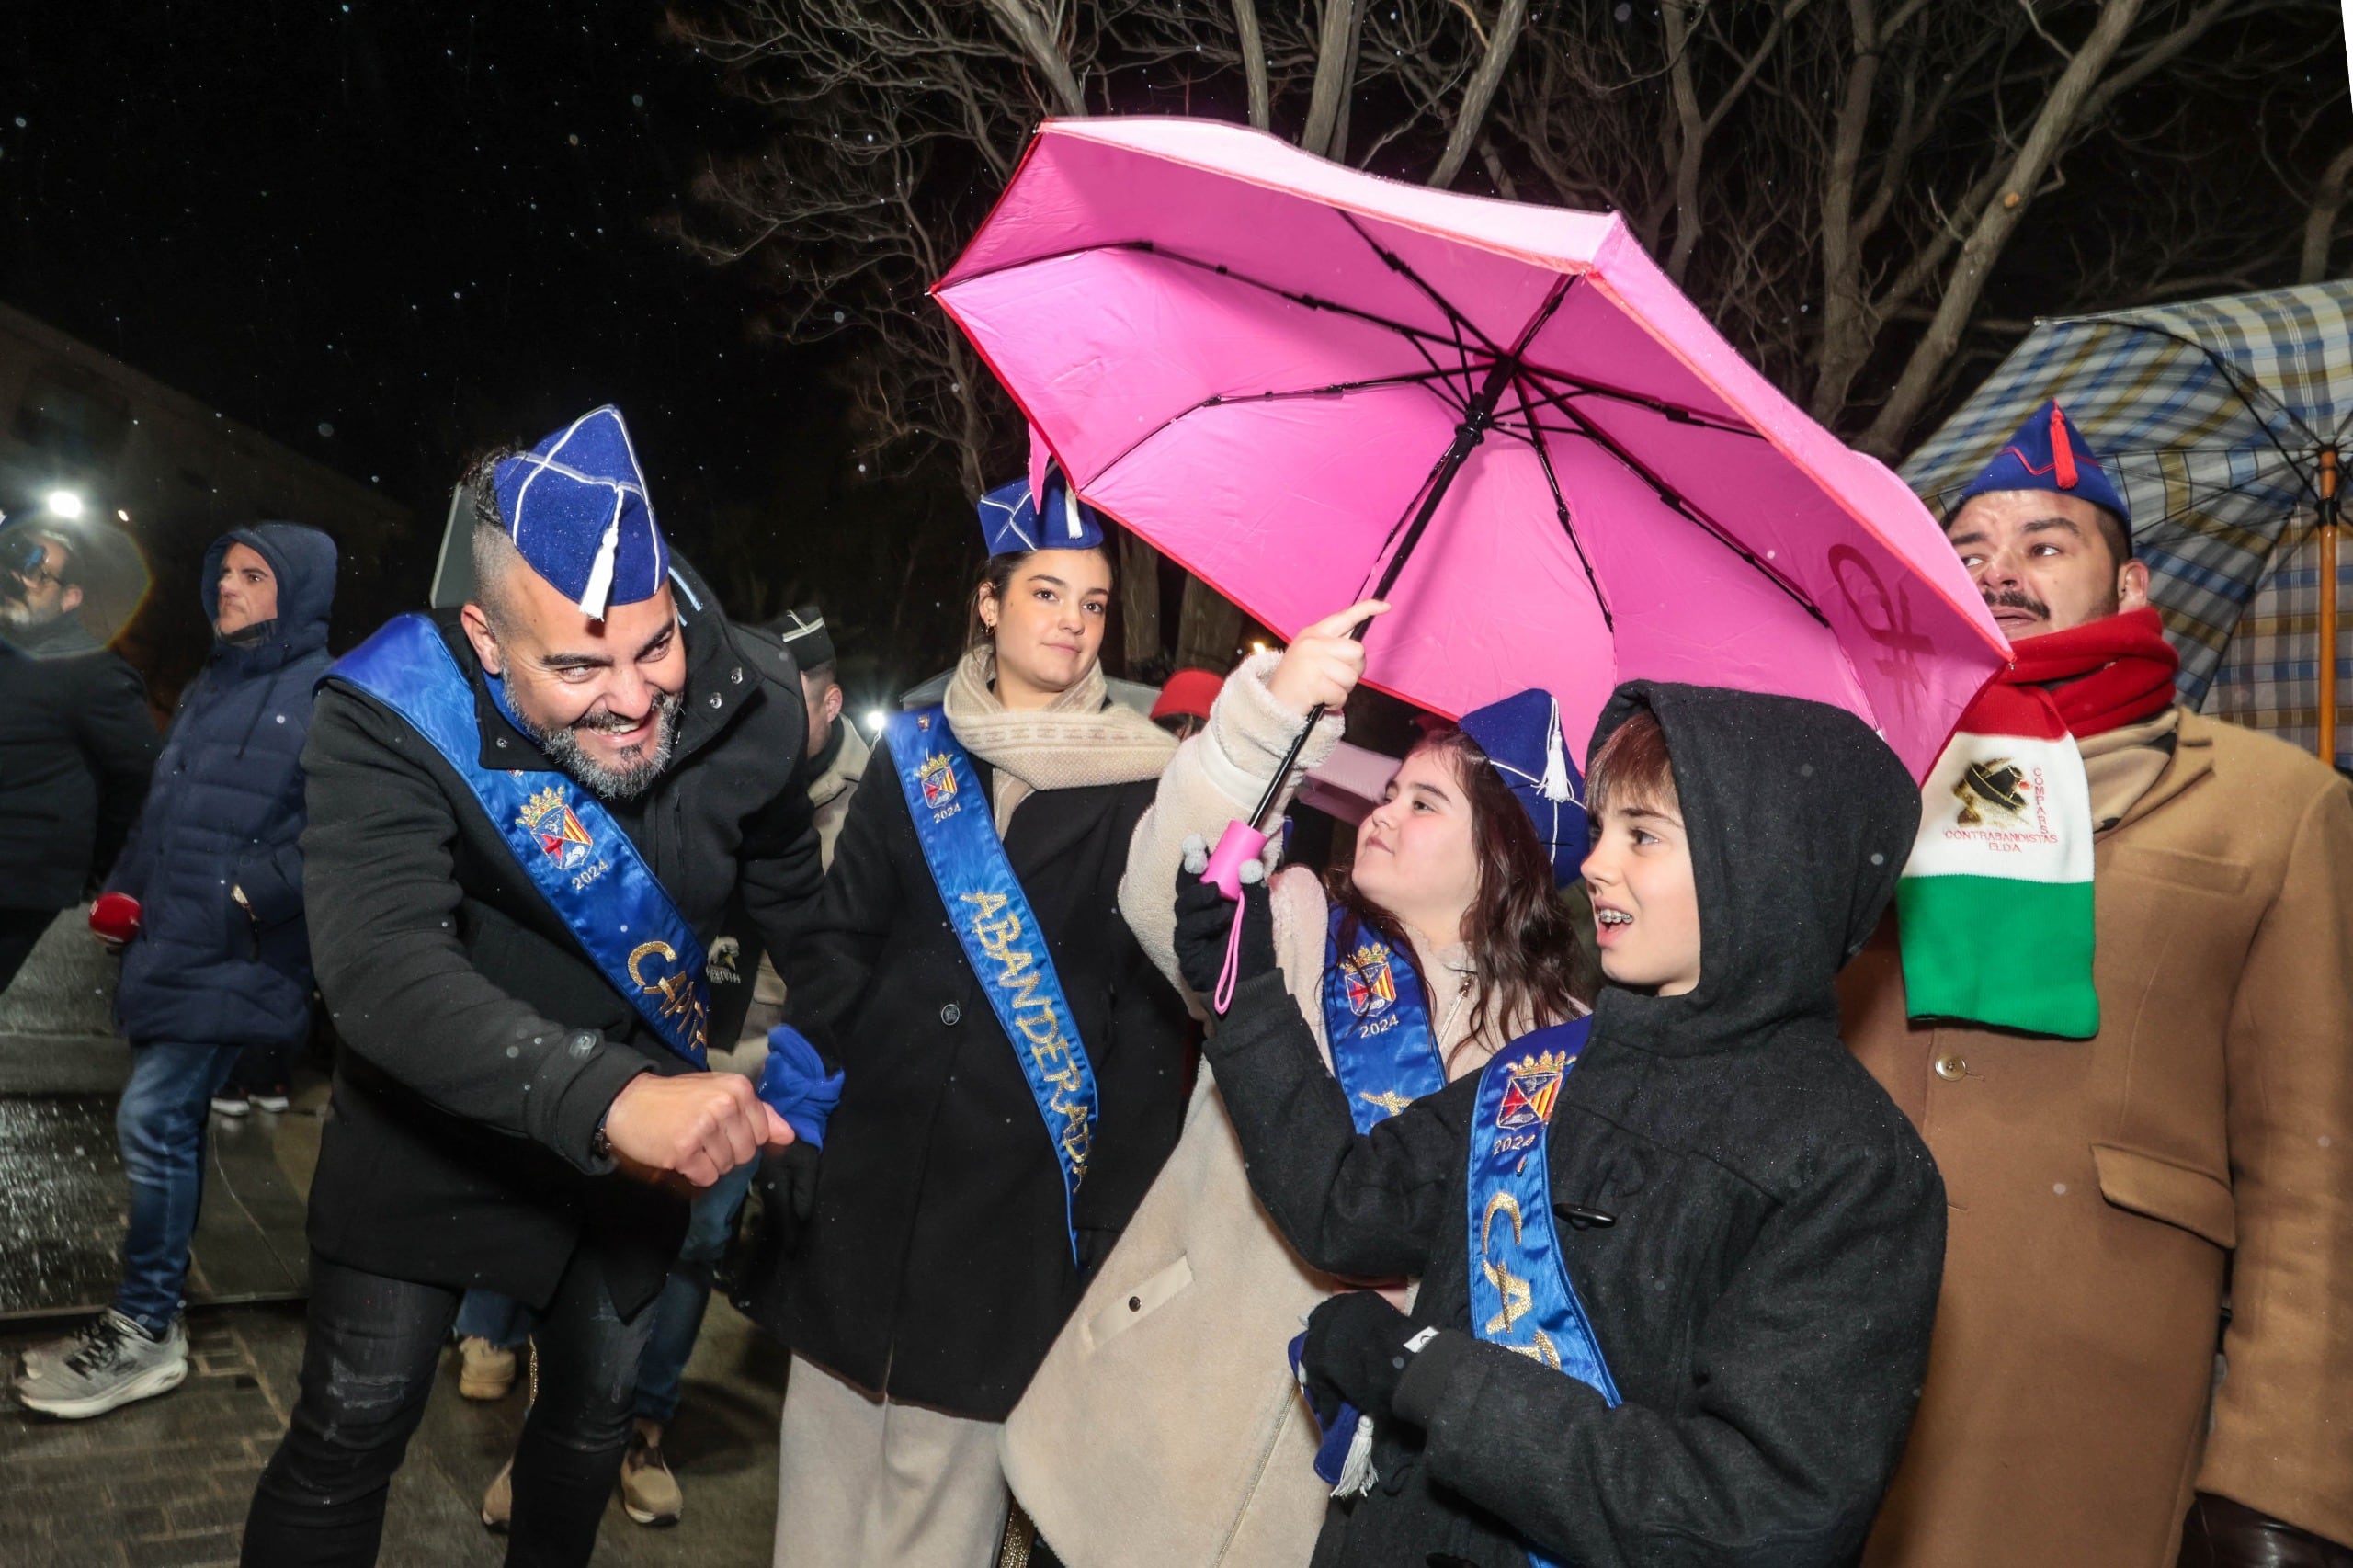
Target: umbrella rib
2245 387
1668 494
1675 413
1431 378
1561 507
1398 265
1312 301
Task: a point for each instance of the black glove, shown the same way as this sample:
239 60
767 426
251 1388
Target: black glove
789 1177
2219 1533
1355 1351
1204 918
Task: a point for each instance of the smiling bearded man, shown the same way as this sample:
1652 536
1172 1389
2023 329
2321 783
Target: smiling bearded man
527 821
2120 1017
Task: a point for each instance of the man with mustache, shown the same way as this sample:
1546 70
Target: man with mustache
2119 1012
527 819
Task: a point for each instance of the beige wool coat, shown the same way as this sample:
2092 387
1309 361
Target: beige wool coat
1164 1429
2107 1194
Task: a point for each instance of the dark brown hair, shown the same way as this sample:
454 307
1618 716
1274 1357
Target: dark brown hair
1632 763
1522 938
996 575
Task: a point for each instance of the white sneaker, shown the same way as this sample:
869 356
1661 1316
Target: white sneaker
274 1104
112 1362
231 1105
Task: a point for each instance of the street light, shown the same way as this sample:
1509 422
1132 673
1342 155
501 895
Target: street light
64 503
876 718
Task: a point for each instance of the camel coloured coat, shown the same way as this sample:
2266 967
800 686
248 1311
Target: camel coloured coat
2108 1197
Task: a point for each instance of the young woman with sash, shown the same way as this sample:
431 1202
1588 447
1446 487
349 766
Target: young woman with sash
1678 1259
1164 1430
1014 1066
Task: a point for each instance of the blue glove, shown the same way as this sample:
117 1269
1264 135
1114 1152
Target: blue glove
796 1085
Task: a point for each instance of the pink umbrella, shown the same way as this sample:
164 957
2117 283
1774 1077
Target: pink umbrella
1307 384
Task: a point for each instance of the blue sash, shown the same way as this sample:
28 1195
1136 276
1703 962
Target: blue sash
1521 1297
992 920
1377 1017
564 840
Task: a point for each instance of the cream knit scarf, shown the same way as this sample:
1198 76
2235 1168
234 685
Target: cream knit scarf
1074 742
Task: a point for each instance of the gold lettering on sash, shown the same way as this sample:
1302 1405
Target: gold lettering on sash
677 991
1020 978
1518 1300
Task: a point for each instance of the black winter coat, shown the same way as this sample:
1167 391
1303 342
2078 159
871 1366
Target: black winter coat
481 1047
229 815
936 1268
1765 1295
77 745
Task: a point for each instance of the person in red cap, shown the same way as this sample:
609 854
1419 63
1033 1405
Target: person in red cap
1183 706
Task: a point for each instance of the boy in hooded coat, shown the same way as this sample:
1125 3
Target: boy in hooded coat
1754 1230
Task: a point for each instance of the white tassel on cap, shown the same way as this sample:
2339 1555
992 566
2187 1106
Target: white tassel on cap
1070 510
594 597
1555 785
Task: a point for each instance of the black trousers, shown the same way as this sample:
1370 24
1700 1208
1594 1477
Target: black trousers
367 1367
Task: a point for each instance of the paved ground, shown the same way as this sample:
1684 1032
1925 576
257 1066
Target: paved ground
165 1483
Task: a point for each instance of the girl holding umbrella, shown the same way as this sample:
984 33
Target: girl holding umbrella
1165 1429
1013 1065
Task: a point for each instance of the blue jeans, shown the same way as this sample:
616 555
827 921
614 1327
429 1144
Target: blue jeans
160 1128
685 1295
502 1320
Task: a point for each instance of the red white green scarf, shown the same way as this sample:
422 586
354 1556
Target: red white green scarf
1996 904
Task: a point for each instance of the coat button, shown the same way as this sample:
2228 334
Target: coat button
1135 1303
1952 1069
951 1014
715 700
736 675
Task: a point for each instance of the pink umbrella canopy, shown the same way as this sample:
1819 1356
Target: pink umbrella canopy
1302 382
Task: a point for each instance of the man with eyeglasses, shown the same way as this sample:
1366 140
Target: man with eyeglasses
77 743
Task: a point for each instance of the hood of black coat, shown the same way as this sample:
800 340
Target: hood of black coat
1799 819
303 562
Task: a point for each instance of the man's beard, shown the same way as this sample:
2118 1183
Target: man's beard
20 614
629 780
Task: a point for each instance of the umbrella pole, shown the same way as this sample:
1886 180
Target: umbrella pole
2328 508
1467 435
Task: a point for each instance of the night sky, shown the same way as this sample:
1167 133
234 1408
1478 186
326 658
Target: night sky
387 234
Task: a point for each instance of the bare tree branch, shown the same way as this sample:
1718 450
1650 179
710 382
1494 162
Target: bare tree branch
1253 62
1966 283
2320 224
1472 118
1335 68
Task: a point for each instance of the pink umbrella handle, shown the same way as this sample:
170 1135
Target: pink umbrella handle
1240 841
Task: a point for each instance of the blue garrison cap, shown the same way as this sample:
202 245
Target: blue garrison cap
2050 453
575 507
1521 735
1011 519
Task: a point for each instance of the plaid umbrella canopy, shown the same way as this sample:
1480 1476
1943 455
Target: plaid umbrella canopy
2222 420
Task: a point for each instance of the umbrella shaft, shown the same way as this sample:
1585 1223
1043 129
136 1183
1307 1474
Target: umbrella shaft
2329 505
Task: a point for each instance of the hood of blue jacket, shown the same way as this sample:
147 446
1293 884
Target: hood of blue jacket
303 562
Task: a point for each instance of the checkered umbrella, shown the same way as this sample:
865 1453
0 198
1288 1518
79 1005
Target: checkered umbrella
2222 420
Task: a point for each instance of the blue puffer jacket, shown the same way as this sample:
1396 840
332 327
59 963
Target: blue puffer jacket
226 812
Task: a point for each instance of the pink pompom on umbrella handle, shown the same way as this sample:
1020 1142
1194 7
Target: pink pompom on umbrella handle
1240 841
